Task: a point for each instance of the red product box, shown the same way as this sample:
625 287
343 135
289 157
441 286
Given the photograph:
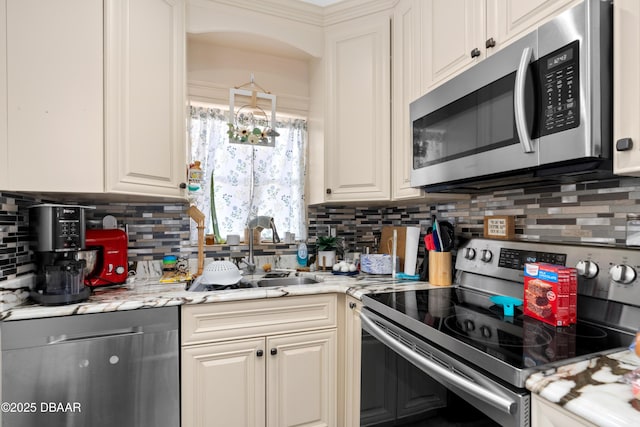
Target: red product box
550 293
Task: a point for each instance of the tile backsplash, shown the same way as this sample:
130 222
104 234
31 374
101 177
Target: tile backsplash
585 213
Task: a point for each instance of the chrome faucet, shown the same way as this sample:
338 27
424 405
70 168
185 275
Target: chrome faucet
259 223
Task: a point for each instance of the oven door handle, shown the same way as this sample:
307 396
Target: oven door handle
501 403
519 101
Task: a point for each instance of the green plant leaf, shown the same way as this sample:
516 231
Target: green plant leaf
327 243
214 218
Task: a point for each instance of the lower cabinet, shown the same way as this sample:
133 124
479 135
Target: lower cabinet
280 370
547 414
349 368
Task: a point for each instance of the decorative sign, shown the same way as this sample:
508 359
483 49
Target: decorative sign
499 227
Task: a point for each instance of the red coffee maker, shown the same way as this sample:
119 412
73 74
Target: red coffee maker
111 257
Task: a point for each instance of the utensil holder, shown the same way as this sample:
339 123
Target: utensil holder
440 268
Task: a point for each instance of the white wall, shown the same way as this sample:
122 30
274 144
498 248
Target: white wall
295 23
213 69
296 80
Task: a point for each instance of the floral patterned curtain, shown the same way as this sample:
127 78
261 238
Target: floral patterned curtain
273 176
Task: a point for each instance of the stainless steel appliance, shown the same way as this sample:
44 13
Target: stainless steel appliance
57 237
459 338
106 369
537 111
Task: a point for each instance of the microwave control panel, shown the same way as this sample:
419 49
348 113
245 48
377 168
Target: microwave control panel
559 86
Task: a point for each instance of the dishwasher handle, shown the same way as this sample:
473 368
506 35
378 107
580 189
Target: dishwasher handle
115 333
501 403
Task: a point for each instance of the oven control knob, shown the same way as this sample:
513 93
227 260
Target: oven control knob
622 273
470 253
587 269
486 255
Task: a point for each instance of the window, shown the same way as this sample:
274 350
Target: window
248 180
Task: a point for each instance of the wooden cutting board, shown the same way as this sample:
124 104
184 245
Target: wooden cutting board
386 242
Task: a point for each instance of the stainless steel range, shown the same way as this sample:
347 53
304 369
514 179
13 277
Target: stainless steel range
462 340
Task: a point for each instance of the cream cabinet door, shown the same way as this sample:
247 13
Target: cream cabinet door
301 379
626 87
145 102
53 123
223 384
350 369
453 31
508 20
406 88
459 33
4 148
358 113
546 414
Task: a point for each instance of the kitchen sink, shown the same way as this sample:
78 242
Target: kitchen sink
263 282
286 281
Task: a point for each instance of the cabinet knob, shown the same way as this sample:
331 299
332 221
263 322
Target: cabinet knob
328 191
274 351
352 305
624 144
183 185
475 52
259 353
490 43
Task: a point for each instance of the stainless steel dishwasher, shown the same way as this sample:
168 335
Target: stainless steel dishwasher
105 369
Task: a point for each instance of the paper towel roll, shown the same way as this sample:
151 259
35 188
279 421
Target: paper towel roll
411 250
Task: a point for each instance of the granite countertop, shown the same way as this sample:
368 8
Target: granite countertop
147 293
592 389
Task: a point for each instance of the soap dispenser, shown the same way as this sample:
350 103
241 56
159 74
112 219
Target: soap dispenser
302 254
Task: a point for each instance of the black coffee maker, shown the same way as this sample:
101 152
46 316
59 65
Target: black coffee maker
57 237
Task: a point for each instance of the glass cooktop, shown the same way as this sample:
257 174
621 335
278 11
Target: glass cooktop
445 315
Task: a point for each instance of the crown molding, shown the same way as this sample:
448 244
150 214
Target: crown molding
305 12
350 9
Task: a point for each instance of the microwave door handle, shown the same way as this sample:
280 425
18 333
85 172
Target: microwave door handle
519 101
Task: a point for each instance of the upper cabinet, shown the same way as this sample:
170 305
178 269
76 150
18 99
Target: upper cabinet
95 97
54 76
405 88
626 87
357 162
145 143
451 35
4 162
460 33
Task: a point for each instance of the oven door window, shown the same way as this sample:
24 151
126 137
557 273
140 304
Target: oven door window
480 121
394 392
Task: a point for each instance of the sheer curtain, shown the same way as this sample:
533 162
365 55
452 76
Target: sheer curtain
276 175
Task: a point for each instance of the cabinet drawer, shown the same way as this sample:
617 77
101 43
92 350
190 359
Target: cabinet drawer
242 319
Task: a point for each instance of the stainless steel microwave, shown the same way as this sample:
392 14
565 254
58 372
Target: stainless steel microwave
537 111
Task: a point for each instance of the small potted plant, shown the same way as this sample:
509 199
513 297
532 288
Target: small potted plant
328 247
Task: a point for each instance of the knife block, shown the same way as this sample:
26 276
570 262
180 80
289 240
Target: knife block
440 268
